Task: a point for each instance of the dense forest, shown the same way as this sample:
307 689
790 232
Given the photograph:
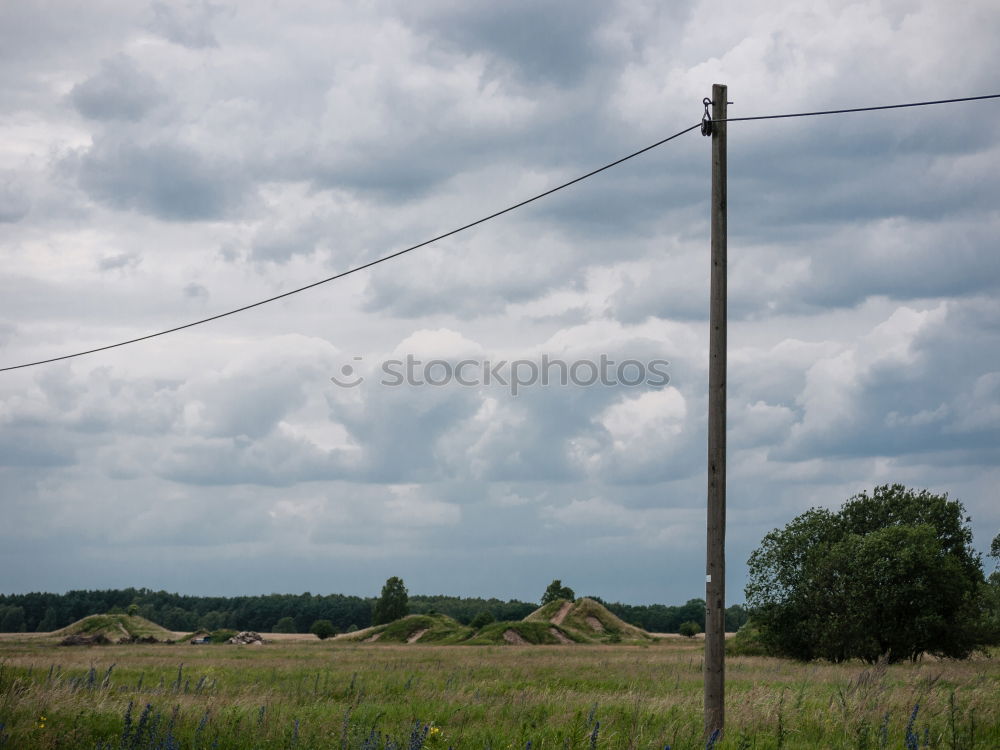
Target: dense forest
43 612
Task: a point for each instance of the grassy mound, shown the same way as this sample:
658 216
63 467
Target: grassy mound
583 621
417 628
443 630
546 612
587 621
116 627
522 632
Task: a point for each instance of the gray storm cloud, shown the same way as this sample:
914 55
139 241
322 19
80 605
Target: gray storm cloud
164 162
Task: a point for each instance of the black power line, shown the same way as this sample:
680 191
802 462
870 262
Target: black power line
363 266
860 109
484 219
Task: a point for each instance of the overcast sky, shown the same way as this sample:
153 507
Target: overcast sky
162 162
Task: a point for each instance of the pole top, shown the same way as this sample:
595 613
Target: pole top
718 104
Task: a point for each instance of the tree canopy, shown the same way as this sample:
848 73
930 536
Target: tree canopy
991 614
393 602
557 591
285 625
890 576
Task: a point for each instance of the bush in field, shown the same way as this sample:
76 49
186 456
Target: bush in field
890 576
393 603
689 629
481 620
746 642
285 625
323 629
221 636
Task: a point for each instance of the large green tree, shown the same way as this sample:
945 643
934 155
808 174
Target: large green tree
991 609
393 602
890 576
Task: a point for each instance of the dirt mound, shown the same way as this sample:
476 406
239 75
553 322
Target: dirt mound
115 627
558 634
587 621
514 638
422 628
548 612
417 635
561 614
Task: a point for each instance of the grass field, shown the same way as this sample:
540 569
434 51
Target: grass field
349 695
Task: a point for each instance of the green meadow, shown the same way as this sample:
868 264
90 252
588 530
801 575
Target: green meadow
337 694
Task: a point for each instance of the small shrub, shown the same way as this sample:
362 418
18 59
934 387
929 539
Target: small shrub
689 629
323 629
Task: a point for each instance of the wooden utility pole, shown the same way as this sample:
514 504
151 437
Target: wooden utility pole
715 568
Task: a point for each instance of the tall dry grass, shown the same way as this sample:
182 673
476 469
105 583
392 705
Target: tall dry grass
330 695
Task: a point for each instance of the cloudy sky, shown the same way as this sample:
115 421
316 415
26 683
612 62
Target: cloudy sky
161 162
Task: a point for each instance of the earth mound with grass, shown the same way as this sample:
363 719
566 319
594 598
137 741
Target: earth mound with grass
443 630
414 629
558 623
522 633
116 629
587 621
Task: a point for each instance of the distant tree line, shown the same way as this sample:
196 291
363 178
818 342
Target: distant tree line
664 618
44 612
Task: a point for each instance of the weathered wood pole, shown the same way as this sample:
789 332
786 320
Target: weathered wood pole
715 569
